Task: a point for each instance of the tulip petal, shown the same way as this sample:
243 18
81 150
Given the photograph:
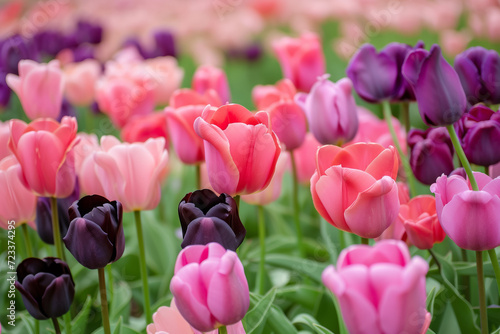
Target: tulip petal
30 303
202 231
58 296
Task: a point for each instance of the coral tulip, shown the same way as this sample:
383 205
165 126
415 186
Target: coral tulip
208 77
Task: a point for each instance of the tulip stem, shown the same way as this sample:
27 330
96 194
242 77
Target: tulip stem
198 176
144 270
496 266
482 296
104 301
67 322
461 155
296 209
56 326
405 115
364 241
436 260
110 284
56 229
27 241
404 160
262 241
223 330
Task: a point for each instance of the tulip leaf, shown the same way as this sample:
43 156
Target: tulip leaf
79 323
121 301
29 323
304 267
118 327
304 295
308 320
279 323
258 314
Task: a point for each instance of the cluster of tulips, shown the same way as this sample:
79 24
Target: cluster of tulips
362 173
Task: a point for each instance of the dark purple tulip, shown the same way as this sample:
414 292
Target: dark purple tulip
206 217
46 287
479 133
5 91
12 50
431 154
83 52
440 96
51 42
164 44
95 235
44 215
87 32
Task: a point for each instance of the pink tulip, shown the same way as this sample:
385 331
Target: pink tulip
420 221
141 128
241 150
166 77
210 287
305 158
186 106
4 139
354 189
380 289
18 203
128 173
331 110
208 77
80 79
44 151
265 96
469 218
39 87
301 59
87 145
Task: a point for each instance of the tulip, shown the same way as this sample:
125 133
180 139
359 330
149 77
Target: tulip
128 173
39 88
479 132
44 150
210 287
87 32
206 217
440 96
164 44
264 96
479 72
95 235
208 77
431 154
143 127
80 79
469 217
305 158
331 110
18 203
12 50
46 287
166 77
4 139
380 289
301 59
351 181
241 150
420 221
5 91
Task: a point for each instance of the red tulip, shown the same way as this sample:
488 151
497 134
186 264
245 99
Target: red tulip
143 127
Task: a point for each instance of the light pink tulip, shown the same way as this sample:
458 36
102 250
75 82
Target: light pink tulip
166 77
305 158
86 146
469 218
4 139
210 287
39 87
80 79
129 173
380 289
44 150
18 203
241 150
354 188
208 77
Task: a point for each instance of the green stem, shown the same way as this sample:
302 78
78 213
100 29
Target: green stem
364 241
461 155
67 322
223 330
198 176
56 229
237 200
37 327
404 160
56 326
465 279
405 115
296 209
436 260
262 241
110 284
496 266
482 296
341 239
104 301
27 241
142 264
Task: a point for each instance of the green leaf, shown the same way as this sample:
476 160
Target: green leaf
79 323
311 269
279 323
258 314
29 323
118 328
447 268
304 295
121 302
309 320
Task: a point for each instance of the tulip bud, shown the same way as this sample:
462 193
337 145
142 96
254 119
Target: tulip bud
206 217
95 235
207 77
46 287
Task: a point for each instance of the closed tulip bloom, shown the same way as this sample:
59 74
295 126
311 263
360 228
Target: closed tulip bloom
354 188
305 158
241 150
206 217
46 287
13 49
479 133
331 110
469 218
208 77
143 127
44 150
4 139
39 88
420 221
210 287
95 235
440 96
80 79
5 91
166 77
381 290
264 96
431 154
301 59
18 203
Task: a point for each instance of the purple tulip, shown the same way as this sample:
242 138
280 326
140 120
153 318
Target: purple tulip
440 96
479 133
51 42
14 49
164 44
431 154
206 217
479 72
46 287
87 32
5 91
95 235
